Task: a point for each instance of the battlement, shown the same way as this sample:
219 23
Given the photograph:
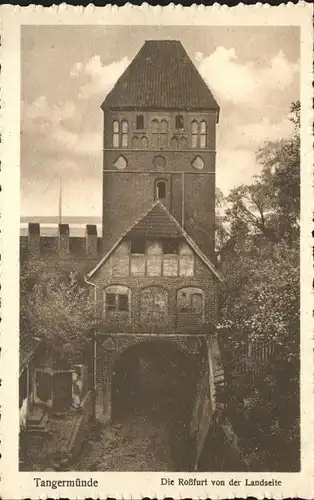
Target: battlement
62 245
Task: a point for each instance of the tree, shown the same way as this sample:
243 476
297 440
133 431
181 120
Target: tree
55 306
260 299
271 204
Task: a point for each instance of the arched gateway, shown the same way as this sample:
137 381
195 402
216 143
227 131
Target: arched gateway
190 350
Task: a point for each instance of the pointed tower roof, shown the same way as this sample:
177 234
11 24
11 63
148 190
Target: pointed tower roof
161 76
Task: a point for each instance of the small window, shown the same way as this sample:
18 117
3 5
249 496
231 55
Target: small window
160 190
194 134
117 302
123 302
124 135
138 246
140 122
155 133
111 301
163 138
116 131
170 247
203 135
179 122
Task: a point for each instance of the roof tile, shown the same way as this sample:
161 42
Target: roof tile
161 75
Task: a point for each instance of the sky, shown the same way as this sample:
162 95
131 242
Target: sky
67 71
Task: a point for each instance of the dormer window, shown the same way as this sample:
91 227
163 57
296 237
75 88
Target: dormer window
179 122
161 190
140 122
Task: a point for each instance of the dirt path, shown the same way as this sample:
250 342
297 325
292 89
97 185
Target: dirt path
136 443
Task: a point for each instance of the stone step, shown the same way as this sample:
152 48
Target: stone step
40 425
40 429
36 415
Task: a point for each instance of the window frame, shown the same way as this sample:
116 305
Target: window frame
203 134
124 133
194 134
115 293
159 182
138 118
115 134
178 118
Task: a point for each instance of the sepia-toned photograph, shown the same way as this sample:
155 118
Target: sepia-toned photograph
159 248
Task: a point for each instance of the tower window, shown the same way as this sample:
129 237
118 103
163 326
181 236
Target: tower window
155 133
163 137
203 135
160 190
140 122
116 134
194 134
179 122
124 135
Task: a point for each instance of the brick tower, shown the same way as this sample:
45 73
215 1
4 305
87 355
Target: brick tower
159 143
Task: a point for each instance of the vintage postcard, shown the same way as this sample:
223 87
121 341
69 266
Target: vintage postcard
157 311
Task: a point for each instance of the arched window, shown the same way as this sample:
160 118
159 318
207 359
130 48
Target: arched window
203 134
116 134
179 122
155 133
117 301
194 130
160 189
124 134
135 142
144 142
154 305
163 137
190 305
174 143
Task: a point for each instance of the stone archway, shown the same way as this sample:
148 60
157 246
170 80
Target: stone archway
112 348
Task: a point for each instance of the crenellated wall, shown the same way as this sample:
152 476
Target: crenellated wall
62 246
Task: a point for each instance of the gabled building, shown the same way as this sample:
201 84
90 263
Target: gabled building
155 279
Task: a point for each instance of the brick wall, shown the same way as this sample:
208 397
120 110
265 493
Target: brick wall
203 279
128 194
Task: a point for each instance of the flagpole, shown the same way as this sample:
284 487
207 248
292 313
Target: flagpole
60 201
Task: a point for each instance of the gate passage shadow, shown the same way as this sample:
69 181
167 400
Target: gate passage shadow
156 383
